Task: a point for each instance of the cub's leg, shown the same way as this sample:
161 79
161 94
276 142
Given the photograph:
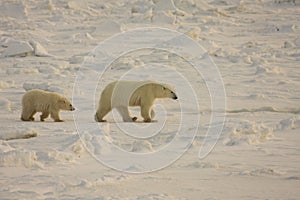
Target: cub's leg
31 116
55 116
27 114
44 115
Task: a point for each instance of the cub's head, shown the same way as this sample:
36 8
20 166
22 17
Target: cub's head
164 91
65 104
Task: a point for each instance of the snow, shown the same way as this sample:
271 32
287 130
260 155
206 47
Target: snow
77 47
23 48
17 48
10 134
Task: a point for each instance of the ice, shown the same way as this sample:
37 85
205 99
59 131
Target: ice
23 48
5 104
290 123
143 146
6 84
39 50
250 133
17 48
18 158
43 86
51 45
14 9
10 134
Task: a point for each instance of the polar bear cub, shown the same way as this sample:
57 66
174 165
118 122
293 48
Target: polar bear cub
121 94
51 103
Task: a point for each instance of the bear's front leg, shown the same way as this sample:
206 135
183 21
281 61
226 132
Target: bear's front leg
124 112
145 112
55 116
97 118
44 115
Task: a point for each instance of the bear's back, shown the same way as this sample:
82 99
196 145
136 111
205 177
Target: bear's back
41 96
126 91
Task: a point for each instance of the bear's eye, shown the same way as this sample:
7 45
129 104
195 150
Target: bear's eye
163 88
71 105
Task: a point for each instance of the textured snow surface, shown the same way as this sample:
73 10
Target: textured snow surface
254 44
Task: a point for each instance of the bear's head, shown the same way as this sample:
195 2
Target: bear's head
164 91
65 104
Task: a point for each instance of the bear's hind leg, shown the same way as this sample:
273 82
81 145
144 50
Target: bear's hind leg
124 112
31 116
27 114
44 115
101 112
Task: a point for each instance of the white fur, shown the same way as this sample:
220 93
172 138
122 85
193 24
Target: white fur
121 94
46 102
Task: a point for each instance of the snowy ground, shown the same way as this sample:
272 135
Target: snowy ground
256 47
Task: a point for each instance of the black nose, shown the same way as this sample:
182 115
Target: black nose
175 97
72 108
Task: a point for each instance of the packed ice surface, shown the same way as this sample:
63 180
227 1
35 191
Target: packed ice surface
254 44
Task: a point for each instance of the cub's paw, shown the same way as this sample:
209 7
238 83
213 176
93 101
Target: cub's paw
29 119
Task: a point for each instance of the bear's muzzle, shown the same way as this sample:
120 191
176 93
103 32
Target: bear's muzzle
174 96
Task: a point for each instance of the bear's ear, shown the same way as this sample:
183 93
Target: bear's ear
61 101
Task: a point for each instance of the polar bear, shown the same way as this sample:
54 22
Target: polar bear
46 102
121 94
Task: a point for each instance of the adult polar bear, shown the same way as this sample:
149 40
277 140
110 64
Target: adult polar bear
121 94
